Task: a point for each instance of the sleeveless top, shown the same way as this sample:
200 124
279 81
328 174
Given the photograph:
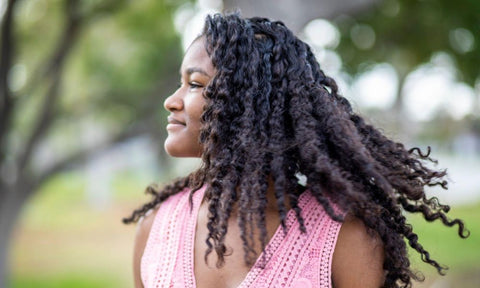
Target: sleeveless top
292 259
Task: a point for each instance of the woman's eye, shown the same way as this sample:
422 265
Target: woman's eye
194 85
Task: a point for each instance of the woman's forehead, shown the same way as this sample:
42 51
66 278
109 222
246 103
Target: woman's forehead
196 56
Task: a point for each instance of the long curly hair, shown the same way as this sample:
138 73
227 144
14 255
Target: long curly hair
272 112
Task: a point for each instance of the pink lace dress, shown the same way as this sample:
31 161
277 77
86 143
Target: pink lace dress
292 259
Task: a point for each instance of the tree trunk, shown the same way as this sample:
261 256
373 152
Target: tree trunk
404 127
13 198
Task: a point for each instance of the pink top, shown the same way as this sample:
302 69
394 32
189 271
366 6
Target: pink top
293 259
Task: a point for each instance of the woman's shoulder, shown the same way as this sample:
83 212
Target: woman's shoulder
144 226
358 256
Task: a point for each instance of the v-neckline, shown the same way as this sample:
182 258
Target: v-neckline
272 245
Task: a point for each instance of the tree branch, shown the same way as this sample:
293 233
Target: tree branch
7 46
42 124
87 152
48 67
46 115
143 127
106 8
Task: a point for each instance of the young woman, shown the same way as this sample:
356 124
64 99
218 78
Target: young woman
256 107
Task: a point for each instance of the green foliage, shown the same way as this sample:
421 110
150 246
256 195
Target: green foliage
122 58
407 32
125 53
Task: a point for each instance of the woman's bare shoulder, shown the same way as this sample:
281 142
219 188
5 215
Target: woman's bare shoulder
144 226
358 257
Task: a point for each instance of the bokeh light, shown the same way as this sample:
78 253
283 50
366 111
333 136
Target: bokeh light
377 87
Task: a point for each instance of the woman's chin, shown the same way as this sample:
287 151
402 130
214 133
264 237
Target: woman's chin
172 148
178 149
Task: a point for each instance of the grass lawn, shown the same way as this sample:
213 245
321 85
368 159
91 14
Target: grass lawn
62 241
462 256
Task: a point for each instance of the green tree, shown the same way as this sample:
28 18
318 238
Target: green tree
68 63
407 33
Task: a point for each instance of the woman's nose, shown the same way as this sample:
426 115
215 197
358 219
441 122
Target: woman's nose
173 102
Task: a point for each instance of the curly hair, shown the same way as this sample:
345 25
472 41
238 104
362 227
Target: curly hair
272 112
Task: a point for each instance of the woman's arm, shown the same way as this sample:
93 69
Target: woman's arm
357 258
143 230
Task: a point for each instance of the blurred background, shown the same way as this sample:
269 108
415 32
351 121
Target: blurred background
82 123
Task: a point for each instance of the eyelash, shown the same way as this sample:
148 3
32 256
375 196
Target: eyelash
192 85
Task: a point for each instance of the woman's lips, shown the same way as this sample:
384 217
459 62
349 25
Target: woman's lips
174 123
172 120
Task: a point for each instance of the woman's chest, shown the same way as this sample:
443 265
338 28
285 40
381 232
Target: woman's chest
234 269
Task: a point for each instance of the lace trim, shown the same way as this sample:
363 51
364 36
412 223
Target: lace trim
160 254
188 250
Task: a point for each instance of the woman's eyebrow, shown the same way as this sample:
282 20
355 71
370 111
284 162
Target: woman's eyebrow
192 70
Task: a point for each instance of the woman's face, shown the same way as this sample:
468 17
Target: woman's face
186 104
